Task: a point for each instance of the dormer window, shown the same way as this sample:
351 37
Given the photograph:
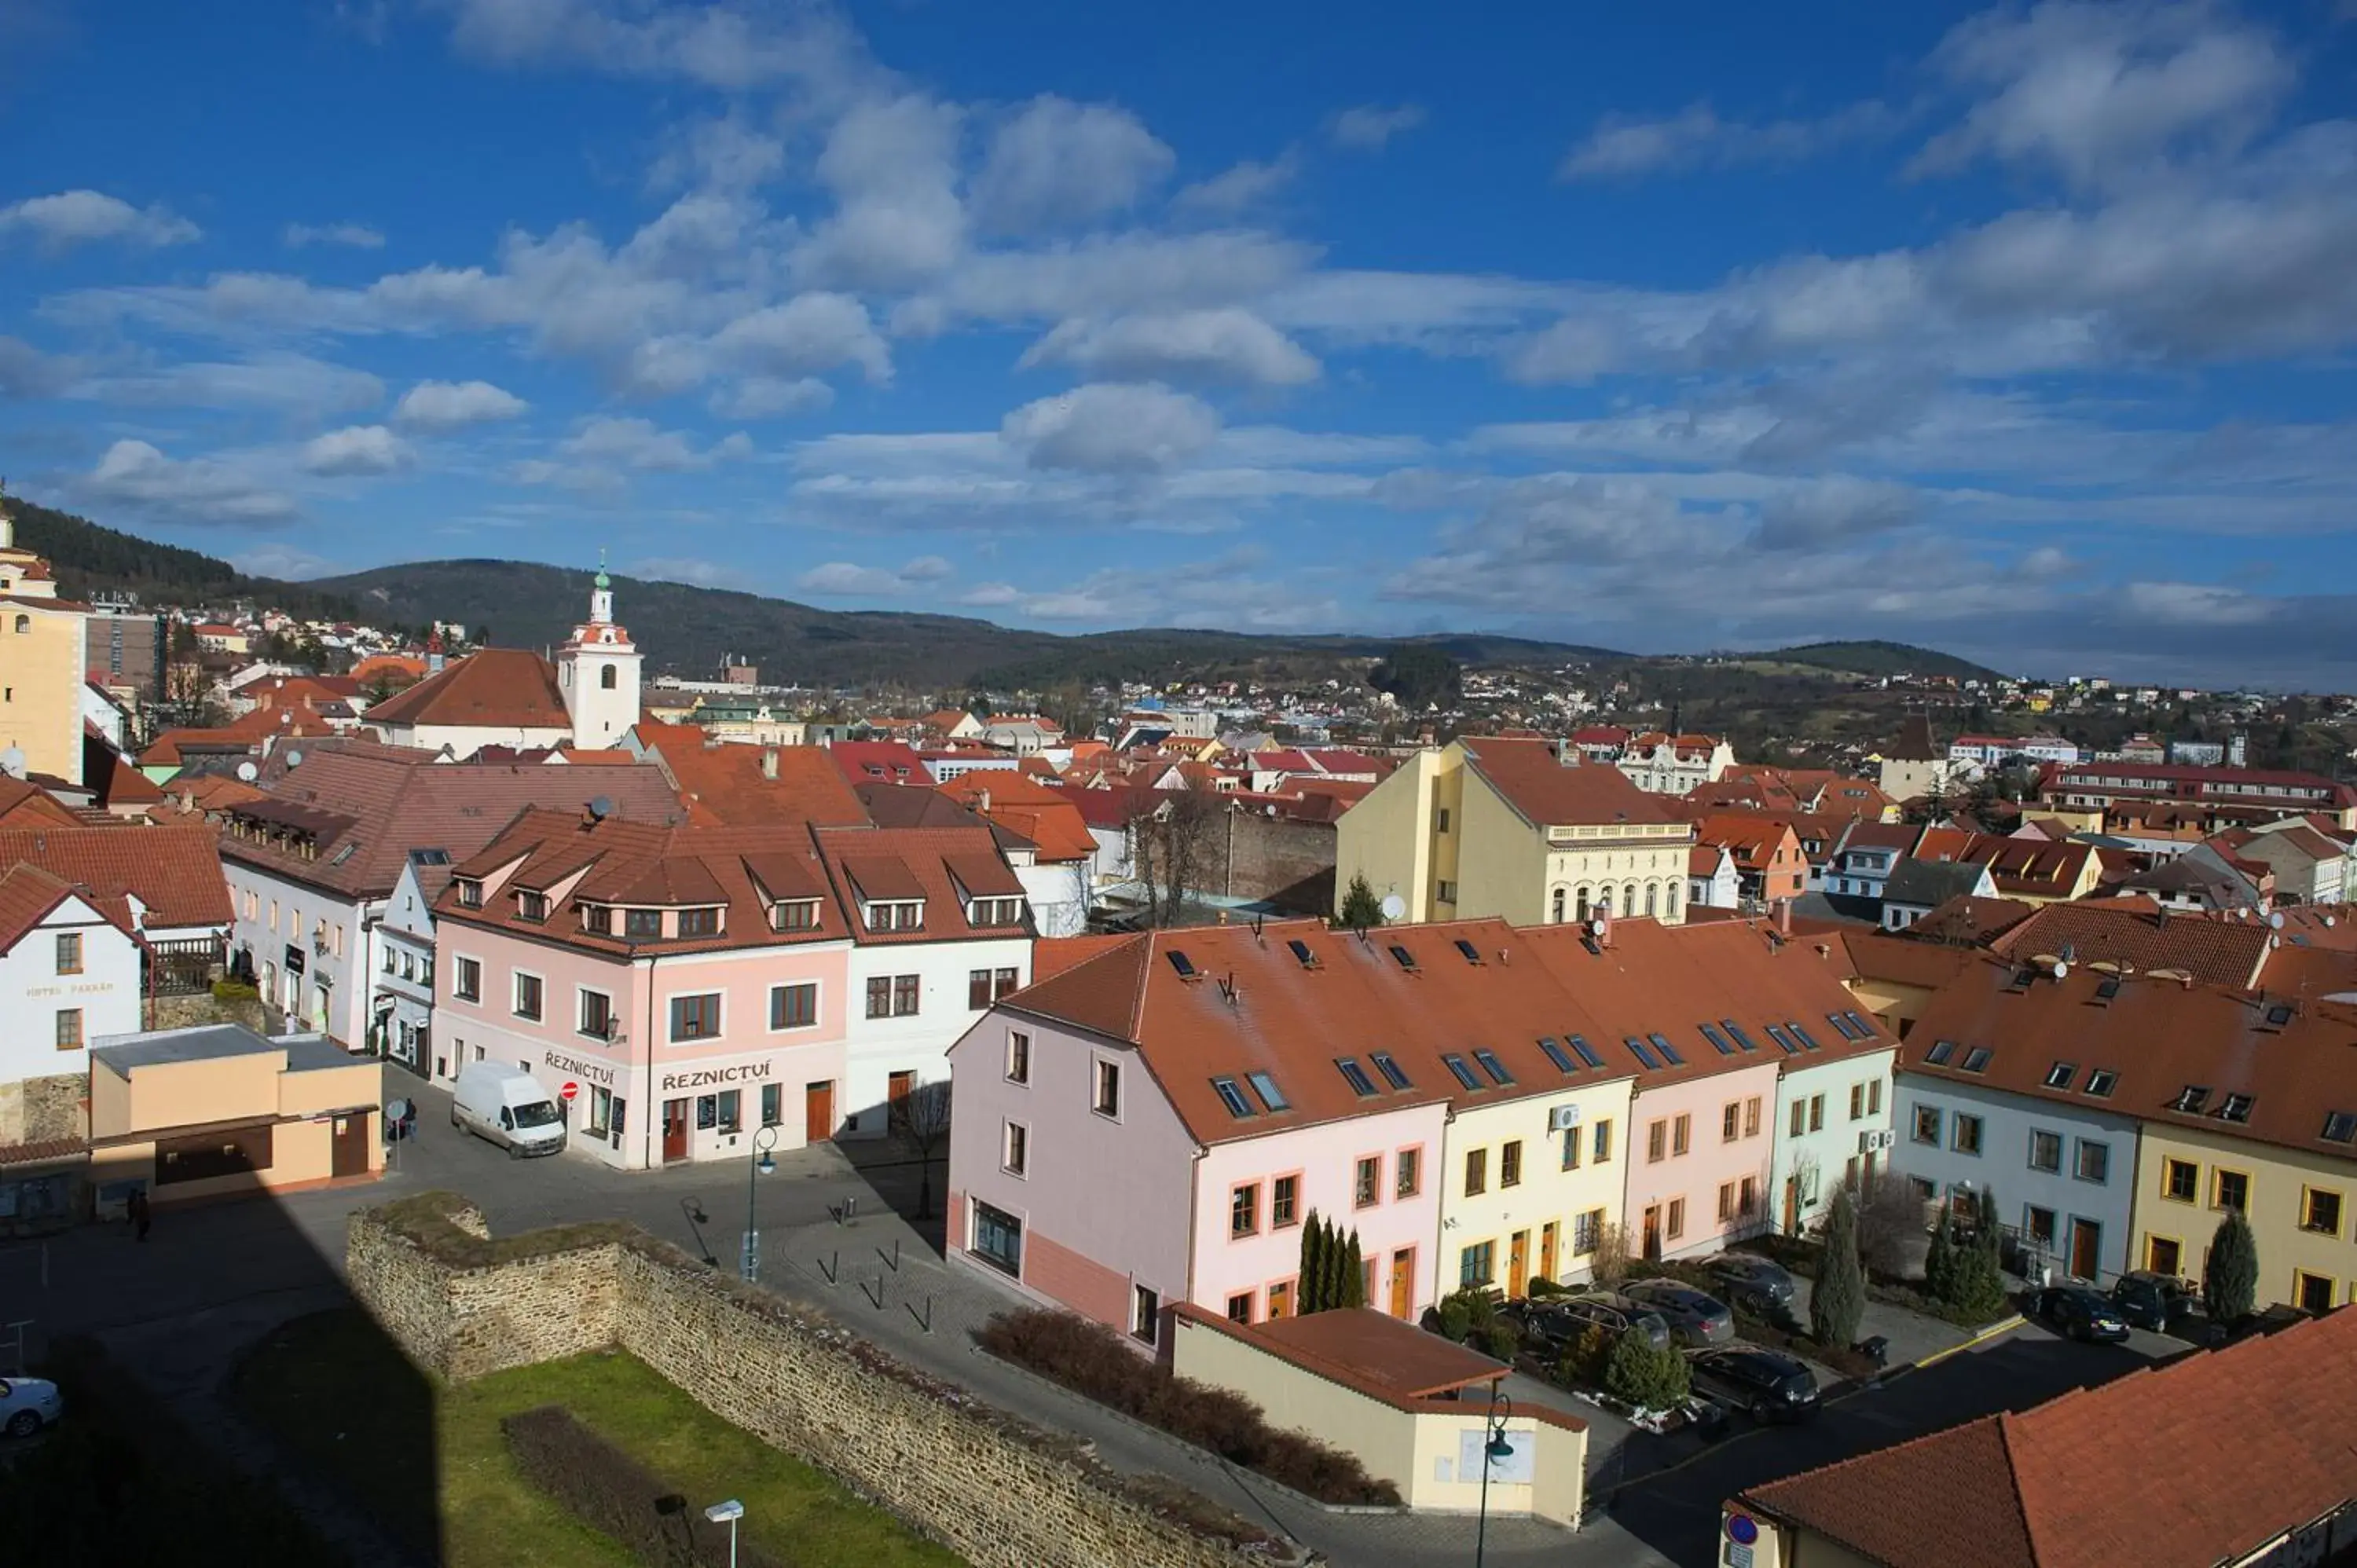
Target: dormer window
794 915
897 916
700 922
532 907
994 912
471 893
598 920
642 925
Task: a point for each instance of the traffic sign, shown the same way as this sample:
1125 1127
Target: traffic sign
570 1090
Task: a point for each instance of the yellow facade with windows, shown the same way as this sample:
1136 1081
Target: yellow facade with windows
1527 1198
42 647
2302 1206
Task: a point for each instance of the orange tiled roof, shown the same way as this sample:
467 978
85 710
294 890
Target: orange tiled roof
493 688
733 784
174 868
1548 793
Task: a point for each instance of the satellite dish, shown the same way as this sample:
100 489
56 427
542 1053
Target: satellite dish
2061 968
1597 926
248 771
1394 905
12 762
293 759
2275 921
601 807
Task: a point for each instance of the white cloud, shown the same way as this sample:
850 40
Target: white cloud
2099 93
293 382
1058 163
359 236
80 217
2197 605
1111 427
639 443
846 580
1370 127
1834 509
1229 345
892 166
285 562
809 332
770 397
813 50
1622 145
688 569
135 474
449 405
1236 189
728 154
1215 591
25 372
356 449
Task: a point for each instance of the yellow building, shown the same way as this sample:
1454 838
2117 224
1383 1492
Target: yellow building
2298 1201
1531 1184
41 649
1522 830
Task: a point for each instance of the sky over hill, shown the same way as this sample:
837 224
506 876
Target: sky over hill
2022 333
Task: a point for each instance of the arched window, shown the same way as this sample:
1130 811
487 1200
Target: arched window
1557 915
1587 896
1670 899
606 677
24 623
1629 900
1653 898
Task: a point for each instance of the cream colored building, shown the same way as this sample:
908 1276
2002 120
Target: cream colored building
1663 764
1522 830
2298 1202
41 647
1531 1184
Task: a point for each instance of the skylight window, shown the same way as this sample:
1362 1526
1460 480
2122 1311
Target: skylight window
1669 1052
1232 1096
1355 1076
1718 1041
1784 1042
2190 1098
2108 988
1498 1074
2059 1076
1183 963
1976 1060
1940 1052
2341 1126
2236 1109
1584 1051
1808 1041
1301 952
1270 1095
1405 959
1864 1030
1735 1032
1644 1053
1389 1069
344 853
1554 1054
1464 1073
2279 1015
1473 954
1840 1025
2100 1082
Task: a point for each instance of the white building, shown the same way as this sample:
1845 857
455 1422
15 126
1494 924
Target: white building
1712 879
69 973
1674 765
400 1006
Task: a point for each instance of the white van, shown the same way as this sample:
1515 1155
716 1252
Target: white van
506 1105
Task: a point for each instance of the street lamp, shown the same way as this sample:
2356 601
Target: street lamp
1496 1448
749 1262
727 1513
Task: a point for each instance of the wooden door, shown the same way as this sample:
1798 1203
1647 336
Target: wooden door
2084 1235
1518 1264
349 1153
2163 1256
1403 1282
818 1113
1547 1259
1791 1206
674 1130
1652 1232
897 1099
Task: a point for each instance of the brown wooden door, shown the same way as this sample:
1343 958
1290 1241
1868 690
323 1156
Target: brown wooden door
1547 1259
1652 1232
897 1099
818 1113
2084 1234
674 1130
1518 1264
1403 1282
2163 1256
348 1153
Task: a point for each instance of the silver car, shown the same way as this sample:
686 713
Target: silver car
1696 1317
28 1404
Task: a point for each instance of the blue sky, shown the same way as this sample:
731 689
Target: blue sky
2023 333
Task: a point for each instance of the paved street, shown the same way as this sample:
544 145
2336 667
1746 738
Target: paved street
213 1280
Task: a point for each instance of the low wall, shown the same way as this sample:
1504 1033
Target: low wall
43 1110
996 1491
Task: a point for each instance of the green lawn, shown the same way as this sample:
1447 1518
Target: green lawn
341 1396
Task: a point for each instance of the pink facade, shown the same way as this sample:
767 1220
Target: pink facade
1672 1203
1098 1209
1397 1233
675 1093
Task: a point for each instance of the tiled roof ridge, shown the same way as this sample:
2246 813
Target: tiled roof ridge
1137 952
2007 1423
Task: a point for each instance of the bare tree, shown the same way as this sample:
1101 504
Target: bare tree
1610 1264
1169 843
1892 1226
924 1115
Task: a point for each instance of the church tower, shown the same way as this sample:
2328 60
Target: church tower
598 671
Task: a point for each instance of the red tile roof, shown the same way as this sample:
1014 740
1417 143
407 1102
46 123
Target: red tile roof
734 784
1549 793
933 864
1042 813
23 805
174 869
2142 937
1755 840
890 760
2200 1461
492 688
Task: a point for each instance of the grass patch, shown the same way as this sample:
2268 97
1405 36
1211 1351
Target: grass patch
320 1386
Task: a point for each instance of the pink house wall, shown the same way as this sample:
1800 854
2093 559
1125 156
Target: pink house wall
1325 1159
1710 1161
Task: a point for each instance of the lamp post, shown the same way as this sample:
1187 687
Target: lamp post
727 1513
1495 1447
748 1263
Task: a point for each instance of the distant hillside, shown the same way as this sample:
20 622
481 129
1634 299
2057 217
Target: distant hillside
91 558
1879 659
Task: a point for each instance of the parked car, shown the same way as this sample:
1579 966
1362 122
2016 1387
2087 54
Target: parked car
1556 1321
1694 1316
1756 1284
1769 1384
2079 1312
28 1404
2162 1302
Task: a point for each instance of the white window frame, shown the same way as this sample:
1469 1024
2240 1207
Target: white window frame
1008 1132
1098 1062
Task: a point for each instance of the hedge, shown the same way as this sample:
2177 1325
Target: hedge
615 1495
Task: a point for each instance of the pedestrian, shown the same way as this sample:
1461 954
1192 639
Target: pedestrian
137 1209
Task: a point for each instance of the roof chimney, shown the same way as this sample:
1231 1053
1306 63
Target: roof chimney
1600 924
768 762
1784 917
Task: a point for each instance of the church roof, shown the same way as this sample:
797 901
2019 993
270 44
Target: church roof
494 688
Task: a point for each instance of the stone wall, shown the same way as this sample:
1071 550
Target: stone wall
185 1011
996 1490
1246 855
39 1110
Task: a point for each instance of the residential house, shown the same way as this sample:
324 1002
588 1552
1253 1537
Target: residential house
749 786
952 724
2204 880
1025 734
2200 1461
1767 857
1524 830
1663 764
885 762
1864 855
2244 794
1912 888
1895 978
69 972
1916 766
2029 870
401 999
2310 866
1711 880
44 638
1053 851
2134 936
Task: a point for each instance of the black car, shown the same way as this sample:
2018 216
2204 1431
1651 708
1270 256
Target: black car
2079 1312
2162 1302
1555 1322
1756 1284
1770 1385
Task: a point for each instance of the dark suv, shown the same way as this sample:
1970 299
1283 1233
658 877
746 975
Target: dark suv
2081 1312
1556 1322
1770 1385
2162 1302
